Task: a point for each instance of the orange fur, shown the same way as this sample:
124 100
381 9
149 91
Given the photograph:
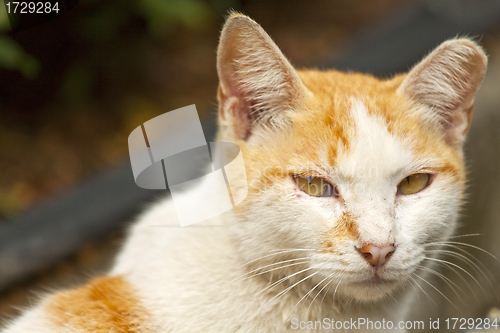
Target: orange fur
346 228
105 304
324 118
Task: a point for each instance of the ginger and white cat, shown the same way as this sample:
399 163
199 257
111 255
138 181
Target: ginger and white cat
351 181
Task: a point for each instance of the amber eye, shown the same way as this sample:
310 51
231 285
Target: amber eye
414 183
315 186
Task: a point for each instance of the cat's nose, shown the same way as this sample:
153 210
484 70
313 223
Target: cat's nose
377 256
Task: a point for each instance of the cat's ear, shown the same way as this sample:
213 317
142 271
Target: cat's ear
446 82
258 86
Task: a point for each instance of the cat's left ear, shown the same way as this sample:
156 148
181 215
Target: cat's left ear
446 82
258 86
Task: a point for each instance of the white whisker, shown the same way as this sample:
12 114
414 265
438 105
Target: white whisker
274 254
460 268
466 245
273 264
450 283
331 279
436 289
283 292
425 293
471 263
273 285
306 295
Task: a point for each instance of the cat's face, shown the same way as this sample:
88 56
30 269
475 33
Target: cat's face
351 179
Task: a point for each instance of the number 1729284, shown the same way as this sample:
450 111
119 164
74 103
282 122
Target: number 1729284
31 7
471 323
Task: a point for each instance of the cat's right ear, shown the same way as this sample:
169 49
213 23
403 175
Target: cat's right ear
258 86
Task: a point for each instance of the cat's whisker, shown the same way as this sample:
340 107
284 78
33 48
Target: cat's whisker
293 250
283 292
466 245
425 293
416 291
282 251
269 265
306 295
449 282
471 263
335 292
326 292
467 253
466 235
436 289
275 284
458 273
471 256
460 268
272 270
488 278
393 299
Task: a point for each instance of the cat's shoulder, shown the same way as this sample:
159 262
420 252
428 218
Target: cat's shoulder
157 257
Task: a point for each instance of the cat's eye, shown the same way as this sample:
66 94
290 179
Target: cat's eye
315 186
414 183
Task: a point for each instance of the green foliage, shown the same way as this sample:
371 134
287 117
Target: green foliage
106 19
4 19
13 57
162 14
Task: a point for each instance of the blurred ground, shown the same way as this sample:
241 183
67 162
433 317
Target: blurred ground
110 65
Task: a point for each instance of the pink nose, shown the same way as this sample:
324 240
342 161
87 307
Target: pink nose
377 256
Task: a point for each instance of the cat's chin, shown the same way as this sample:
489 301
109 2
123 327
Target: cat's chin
370 290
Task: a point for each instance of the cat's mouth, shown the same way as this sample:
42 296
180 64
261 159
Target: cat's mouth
376 280
371 289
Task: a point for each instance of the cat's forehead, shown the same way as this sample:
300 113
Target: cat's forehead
345 107
373 151
357 121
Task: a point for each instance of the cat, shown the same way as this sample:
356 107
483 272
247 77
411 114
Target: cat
352 180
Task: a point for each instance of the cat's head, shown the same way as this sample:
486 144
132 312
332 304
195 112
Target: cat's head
351 178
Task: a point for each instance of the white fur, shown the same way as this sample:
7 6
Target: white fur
368 175
189 277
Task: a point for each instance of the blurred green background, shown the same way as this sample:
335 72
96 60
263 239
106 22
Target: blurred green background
71 90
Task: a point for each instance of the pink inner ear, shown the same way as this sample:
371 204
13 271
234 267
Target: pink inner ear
457 124
235 107
458 117
242 121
